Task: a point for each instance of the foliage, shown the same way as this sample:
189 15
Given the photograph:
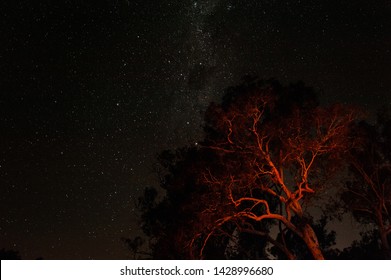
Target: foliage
367 248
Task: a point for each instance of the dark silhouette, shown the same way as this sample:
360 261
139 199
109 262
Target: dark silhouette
368 194
367 248
9 255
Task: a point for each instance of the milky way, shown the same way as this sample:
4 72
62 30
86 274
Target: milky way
91 92
195 87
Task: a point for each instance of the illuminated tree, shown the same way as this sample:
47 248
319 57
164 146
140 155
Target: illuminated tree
276 145
368 195
267 150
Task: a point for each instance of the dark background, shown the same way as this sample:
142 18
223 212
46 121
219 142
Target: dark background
91 91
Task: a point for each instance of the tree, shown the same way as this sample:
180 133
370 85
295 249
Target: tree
172 222
267 150
367 248
368 194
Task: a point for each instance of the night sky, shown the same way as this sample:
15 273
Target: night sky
91 91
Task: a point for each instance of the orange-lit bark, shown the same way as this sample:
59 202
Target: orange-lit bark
311 241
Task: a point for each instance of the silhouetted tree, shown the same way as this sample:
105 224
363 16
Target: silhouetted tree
368 194
267 150
367 248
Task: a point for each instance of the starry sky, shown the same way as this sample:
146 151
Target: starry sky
91 91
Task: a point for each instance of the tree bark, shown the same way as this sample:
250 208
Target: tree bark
312 242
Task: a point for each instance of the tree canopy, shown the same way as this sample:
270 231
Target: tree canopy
368 193
268 149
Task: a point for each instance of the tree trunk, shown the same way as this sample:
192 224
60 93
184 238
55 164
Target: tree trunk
312 242
385 244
